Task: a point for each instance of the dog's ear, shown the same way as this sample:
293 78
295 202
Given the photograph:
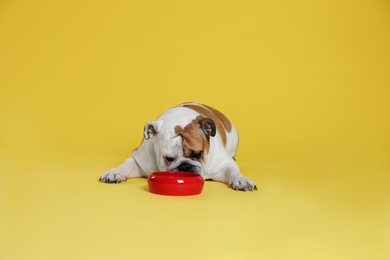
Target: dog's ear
207 125
151 129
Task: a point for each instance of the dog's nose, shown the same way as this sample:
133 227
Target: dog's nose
185 167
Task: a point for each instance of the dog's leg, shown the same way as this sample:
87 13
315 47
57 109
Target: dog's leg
128 169
230 174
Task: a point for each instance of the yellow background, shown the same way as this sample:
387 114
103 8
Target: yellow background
305 82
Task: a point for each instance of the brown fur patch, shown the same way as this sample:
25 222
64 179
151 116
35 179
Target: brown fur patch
194 139
219 119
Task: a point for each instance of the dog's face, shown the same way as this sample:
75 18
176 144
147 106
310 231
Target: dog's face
181 148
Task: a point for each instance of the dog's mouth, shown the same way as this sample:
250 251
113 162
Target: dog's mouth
188 167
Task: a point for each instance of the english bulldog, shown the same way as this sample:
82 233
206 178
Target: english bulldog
190 137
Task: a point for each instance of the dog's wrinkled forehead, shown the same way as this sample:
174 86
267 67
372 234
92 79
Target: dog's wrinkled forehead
170 142
162 134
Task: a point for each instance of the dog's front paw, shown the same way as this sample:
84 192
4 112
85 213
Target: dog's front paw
112 176
242 183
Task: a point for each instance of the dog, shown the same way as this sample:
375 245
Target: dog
190 137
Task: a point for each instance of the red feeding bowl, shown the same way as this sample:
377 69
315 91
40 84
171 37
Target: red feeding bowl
175 183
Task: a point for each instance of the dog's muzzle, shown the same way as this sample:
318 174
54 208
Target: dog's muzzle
187 167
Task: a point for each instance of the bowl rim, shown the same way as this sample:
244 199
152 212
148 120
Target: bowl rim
175 174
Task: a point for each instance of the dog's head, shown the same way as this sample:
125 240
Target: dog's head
180 148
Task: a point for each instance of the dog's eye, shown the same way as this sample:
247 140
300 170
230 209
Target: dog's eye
196 155
169 159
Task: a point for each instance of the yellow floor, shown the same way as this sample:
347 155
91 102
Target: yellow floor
306 83
56 209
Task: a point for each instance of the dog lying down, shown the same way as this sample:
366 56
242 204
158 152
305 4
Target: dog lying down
190 137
